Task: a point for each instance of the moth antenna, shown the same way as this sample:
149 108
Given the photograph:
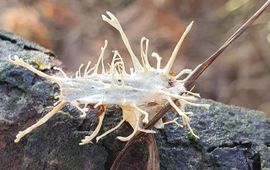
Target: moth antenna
43 120
158 58
100 59
169 65
17 61
112 20
203 66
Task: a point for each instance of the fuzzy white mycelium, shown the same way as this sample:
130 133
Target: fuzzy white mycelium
140 93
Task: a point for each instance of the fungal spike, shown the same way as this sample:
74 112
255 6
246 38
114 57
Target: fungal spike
110 131
86 68
183 72
177 96
192 132
88 139
61 71
112 67
17 61
144 51
173 121
100 59
113 21
158 58
195 104
169 65
79 71
144 54
77 74
193 94
43 120
115 55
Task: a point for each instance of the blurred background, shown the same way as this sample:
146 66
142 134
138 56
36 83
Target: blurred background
75 32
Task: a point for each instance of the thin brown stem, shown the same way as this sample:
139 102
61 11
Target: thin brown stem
201 68
197 72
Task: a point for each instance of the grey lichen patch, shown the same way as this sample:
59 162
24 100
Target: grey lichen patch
18 87
55 146
22 44
226 132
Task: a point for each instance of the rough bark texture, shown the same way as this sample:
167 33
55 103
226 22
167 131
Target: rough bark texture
231 137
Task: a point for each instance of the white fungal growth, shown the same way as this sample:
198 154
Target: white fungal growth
139 93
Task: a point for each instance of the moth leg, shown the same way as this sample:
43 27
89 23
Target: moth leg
173 121
183 115
133 121
132 117
41 121
159 124
83 113
131 135
110 131
146 115
82 110
88 139
145 120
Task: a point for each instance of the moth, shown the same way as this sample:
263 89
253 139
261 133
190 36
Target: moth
141 92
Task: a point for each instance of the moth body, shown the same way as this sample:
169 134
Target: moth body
139 93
